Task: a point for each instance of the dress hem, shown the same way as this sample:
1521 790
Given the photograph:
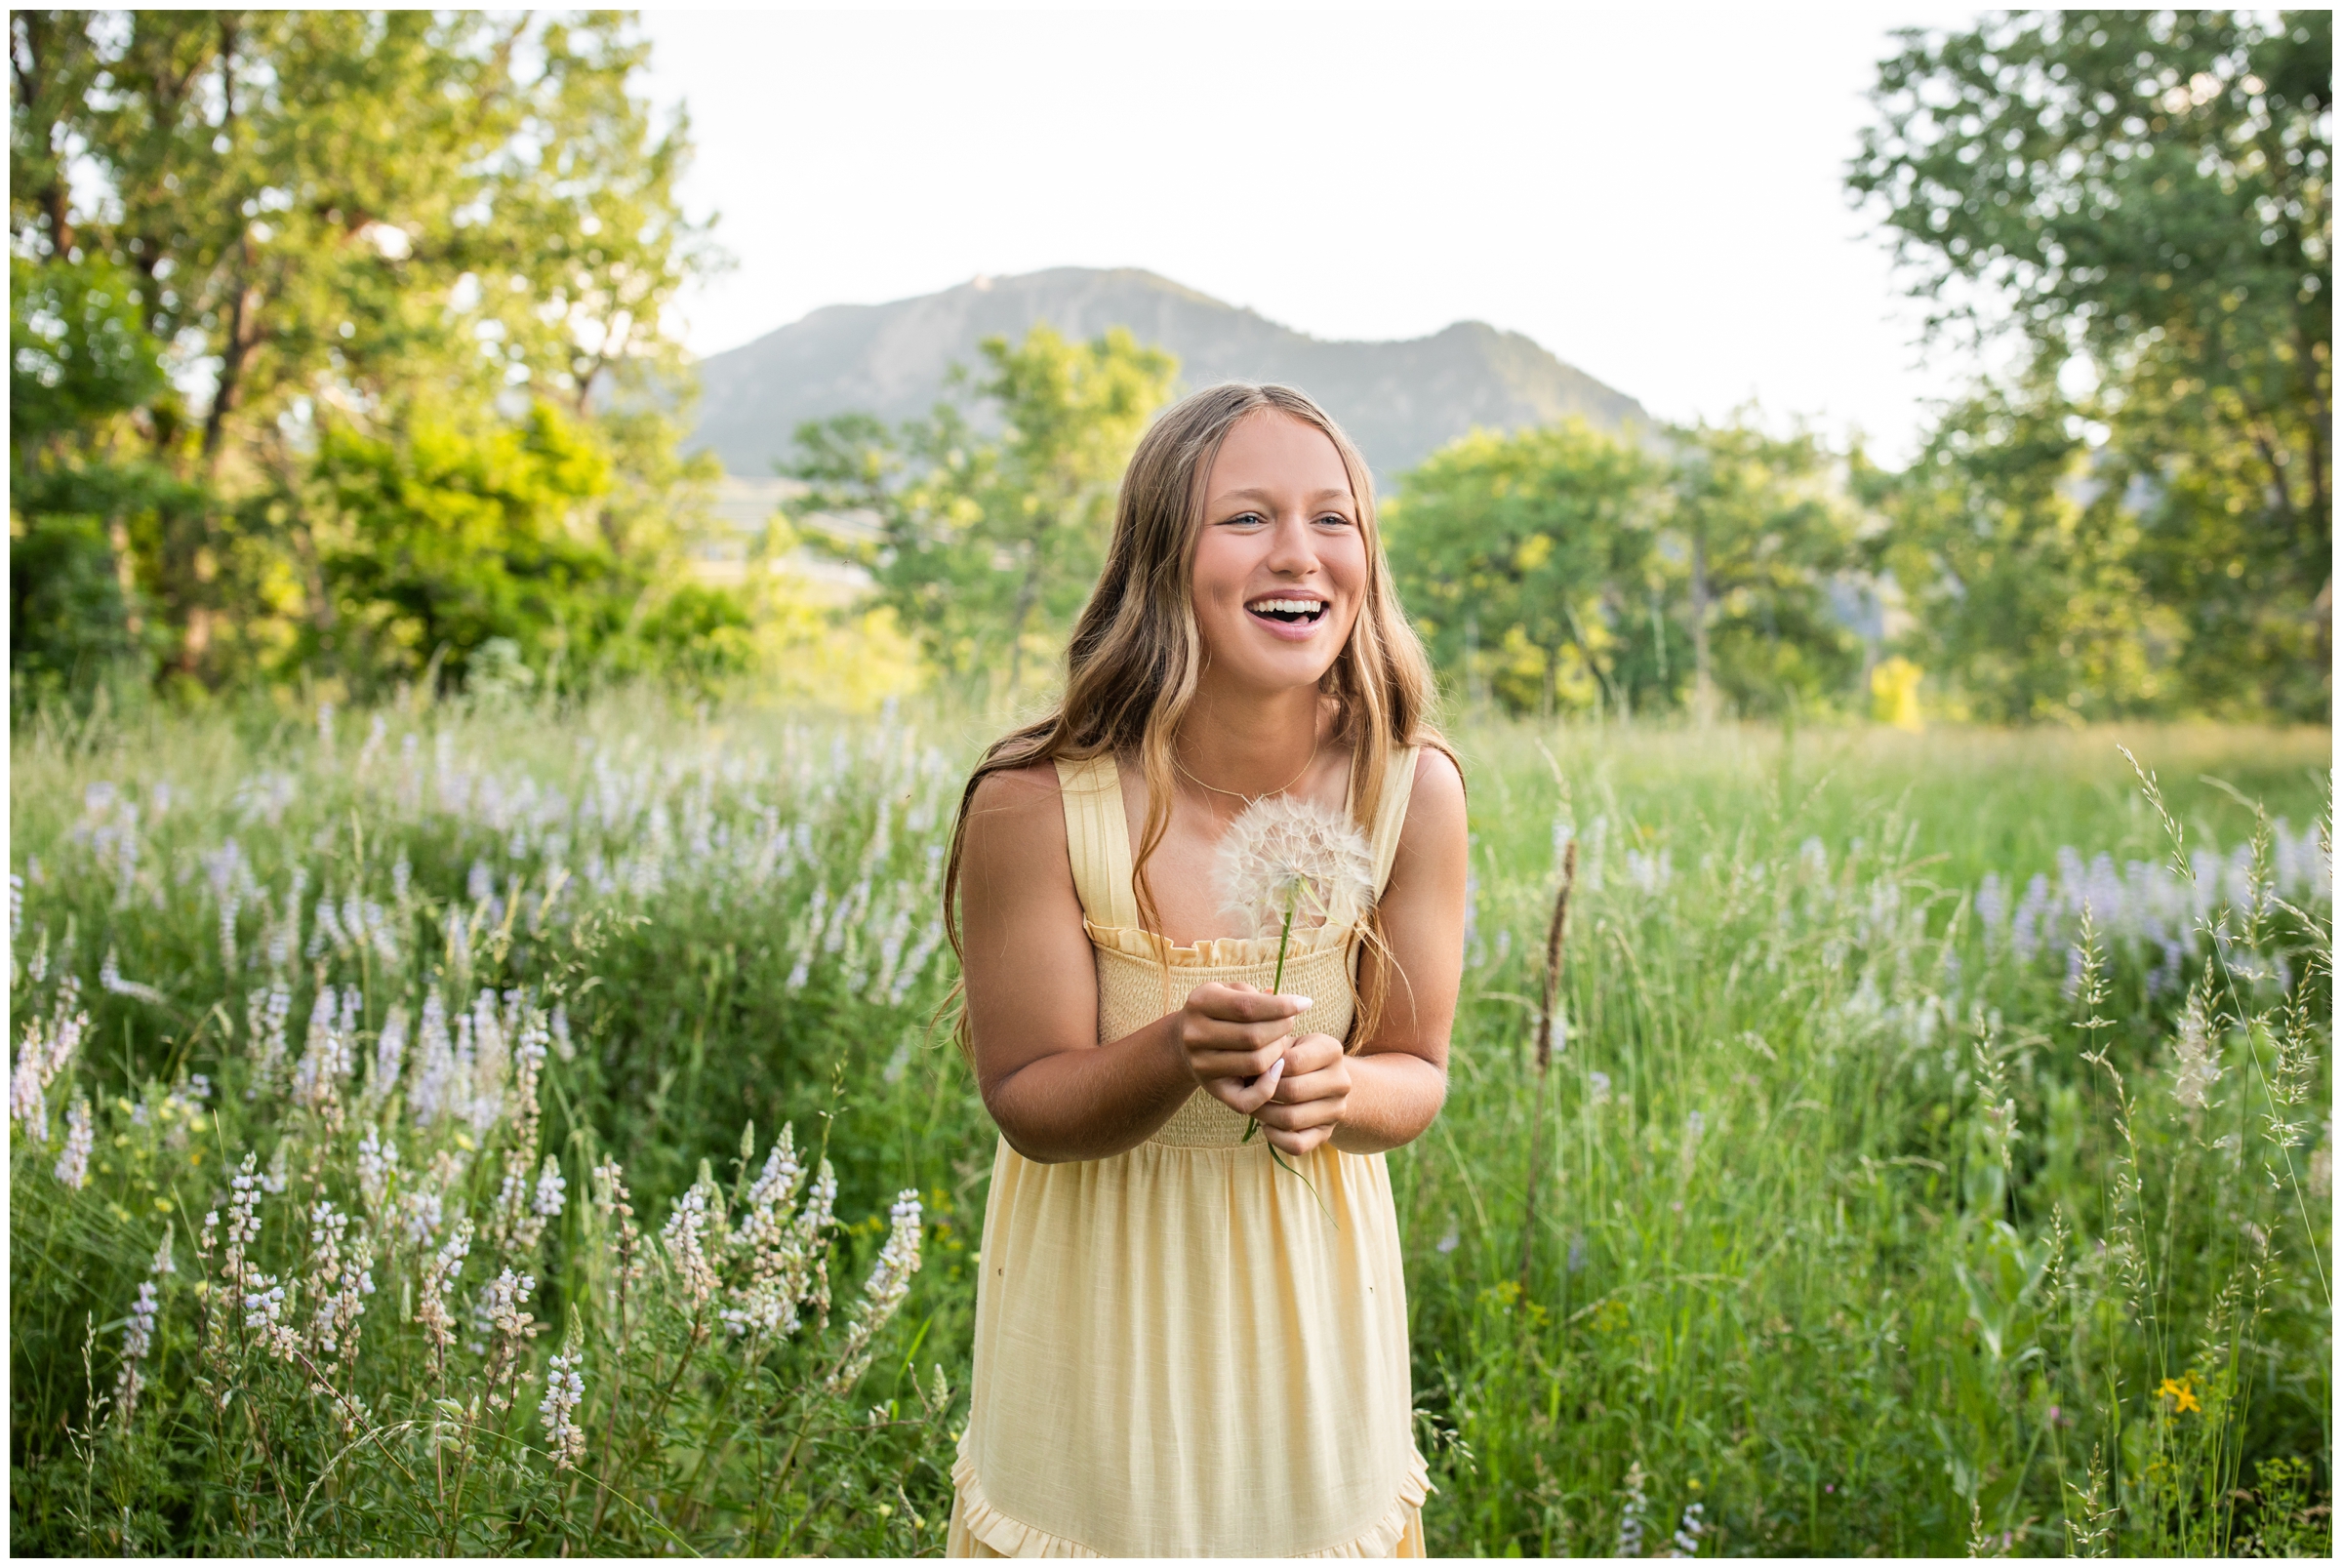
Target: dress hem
1014 1538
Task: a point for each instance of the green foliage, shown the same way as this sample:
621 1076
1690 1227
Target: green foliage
2143 202
1532 562
2024 569
1819 1249
244 240
989 546
1764 527
1563 570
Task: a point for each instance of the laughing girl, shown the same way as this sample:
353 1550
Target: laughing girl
1191 1325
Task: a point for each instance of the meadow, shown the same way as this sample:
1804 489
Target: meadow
508 1127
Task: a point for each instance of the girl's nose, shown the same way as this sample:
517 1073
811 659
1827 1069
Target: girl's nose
1291 549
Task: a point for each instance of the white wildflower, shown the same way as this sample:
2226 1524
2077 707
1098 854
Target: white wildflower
1284 859
440 1284
551 1191
1687 1534
1630 1516
564 1392
389 1055
81 1136
786 1255
432 1091
883 1292
685 1238
137 1339
49 1045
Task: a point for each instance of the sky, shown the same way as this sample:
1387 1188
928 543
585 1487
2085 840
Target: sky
1656 196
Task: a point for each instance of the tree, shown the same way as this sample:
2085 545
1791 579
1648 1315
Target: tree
1533 555
989 546
328 219
1760 526
2022 570
2143 201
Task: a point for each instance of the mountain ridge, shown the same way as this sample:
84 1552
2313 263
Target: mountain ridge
1401 399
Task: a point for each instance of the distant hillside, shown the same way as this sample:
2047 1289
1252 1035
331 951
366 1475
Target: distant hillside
1400 401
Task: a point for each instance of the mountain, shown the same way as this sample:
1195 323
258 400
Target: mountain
1399 401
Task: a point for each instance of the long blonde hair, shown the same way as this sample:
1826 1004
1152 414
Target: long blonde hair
1132 665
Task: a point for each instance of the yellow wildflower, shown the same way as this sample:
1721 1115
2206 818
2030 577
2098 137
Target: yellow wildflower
2181 1392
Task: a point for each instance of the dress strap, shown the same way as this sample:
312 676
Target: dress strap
1098 840
1398 782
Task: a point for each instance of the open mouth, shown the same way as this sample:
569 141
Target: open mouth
1289 612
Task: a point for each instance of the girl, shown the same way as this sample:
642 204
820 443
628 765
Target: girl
1191 1341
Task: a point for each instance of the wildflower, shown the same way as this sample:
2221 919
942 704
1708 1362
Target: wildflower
1598 1083
2181 1392
685 1239
501 1312
432 1091
564 1392
611 1198
109 977
81 1135
786 1255
265 1015
49 1045
883 1292
339 1280
389 1055
1630 1516
137 1339
1688 1532
327 1058
552 1189
440 1284
1282 856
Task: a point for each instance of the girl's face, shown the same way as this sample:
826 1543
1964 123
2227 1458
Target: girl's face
1280 570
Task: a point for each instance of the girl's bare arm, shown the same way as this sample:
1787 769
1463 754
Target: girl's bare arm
1033 999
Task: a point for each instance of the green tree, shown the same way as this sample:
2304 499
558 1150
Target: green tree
1532 556
2022 568
990 544
2143 200
1761 525
330 217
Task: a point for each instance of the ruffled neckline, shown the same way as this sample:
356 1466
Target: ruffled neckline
1217 952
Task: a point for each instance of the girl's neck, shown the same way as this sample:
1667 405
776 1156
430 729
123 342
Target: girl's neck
1253 746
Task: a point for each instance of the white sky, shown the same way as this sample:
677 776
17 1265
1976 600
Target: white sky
1657 196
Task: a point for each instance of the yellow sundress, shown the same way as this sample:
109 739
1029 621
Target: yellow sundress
1180 1350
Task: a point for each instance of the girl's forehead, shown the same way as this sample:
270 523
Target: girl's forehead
1272 447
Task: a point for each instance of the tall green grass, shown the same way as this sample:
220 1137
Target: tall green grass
1880 1207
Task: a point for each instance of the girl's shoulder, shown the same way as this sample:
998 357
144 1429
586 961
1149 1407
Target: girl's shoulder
1008 799
1436 805
1438 782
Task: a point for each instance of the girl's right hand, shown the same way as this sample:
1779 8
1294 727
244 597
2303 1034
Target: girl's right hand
1234 1039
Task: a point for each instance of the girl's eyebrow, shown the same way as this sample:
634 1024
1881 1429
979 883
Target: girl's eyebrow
1319 498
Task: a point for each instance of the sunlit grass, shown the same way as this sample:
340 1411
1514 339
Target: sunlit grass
1840 1245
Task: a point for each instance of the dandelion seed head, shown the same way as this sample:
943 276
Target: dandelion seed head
1285 855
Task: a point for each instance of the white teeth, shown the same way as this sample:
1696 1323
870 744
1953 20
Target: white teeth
1300 607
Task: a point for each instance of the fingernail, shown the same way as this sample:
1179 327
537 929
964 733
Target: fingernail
1306 1003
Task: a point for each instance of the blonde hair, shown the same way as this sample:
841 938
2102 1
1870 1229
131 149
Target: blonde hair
1132 665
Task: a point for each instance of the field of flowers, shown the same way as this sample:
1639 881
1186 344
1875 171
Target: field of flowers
502 1129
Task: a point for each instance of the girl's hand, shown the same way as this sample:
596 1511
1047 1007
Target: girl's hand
1310 1096
1235 1040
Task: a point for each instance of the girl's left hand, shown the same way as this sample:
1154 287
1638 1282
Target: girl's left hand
1308 1103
